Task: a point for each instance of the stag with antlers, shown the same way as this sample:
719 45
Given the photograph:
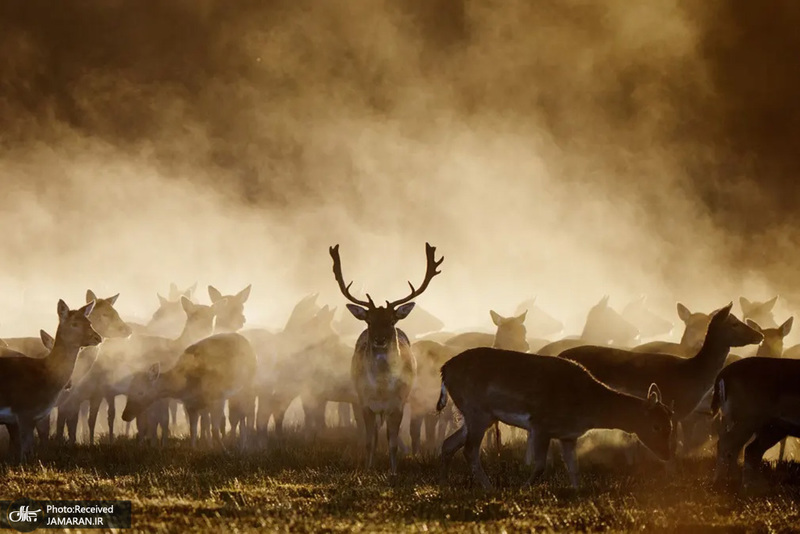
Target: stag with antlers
383 367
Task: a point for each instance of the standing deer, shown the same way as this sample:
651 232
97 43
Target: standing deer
551 397
694 333
383 366
760 312
604 326
205 375
649 323
29 387
755 396
683 381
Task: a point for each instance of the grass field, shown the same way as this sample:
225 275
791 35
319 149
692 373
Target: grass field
300 487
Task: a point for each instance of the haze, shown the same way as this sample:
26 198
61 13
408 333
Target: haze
564 150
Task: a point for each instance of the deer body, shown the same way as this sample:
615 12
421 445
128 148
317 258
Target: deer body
553 398
30 387
383 367
204 376
683 381
756 397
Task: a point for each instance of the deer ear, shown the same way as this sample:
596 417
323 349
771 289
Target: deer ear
244 294
47 340
188 305
722 313
402 311
358 312
214 294
63 310
161 300
112 300
153 372
521 317
754 325
786 327
173 291
684 313
496 318
90 296
87 310
768 305
603 301
746 305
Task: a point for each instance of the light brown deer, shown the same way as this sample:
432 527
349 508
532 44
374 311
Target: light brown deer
168 320
383 366
683 381
30 387
120 358
649 323
551 397
205 375
604 326
760 312
694 333
756 397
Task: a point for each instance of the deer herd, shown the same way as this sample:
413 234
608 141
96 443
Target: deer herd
233 381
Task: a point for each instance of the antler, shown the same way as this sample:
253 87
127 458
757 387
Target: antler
430 272
337 273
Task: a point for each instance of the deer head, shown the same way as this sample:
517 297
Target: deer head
381 320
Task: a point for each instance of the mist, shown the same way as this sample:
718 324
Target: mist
563 150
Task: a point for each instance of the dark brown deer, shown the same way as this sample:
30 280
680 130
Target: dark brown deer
683 381
551 397
756 397
383 367
30 387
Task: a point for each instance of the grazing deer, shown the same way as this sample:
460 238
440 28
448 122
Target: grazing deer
604 326
694 333
760 312
552 398
206 374
645 320
30 387
756 397
683 381
383 366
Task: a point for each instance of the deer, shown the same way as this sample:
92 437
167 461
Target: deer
756 398
604 326
30 387
204 376
683 381
538 323
383 366
551 397
760 312
694 333
645 320
168 319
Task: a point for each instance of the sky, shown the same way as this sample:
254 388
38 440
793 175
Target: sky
565 150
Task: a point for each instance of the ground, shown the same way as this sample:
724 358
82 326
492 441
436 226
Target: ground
317 487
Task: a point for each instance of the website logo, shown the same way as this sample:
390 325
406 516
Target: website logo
25 515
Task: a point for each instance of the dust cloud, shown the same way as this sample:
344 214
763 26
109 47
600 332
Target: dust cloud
560 149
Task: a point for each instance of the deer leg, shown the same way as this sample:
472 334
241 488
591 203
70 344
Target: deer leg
112 414
765 439
730 443
173 411
94 408
393 422
43 429
571 460
371 434
415 429
541 444
192 415
782 450
477 425
343 410
218 422
430 432
26 427
529 448
450 446
14 442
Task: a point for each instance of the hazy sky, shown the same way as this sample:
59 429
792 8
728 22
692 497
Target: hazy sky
564 149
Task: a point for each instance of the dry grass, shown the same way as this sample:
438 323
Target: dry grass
301 487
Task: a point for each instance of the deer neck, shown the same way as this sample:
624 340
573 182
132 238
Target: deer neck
188 336
711 356
170 384
61 361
